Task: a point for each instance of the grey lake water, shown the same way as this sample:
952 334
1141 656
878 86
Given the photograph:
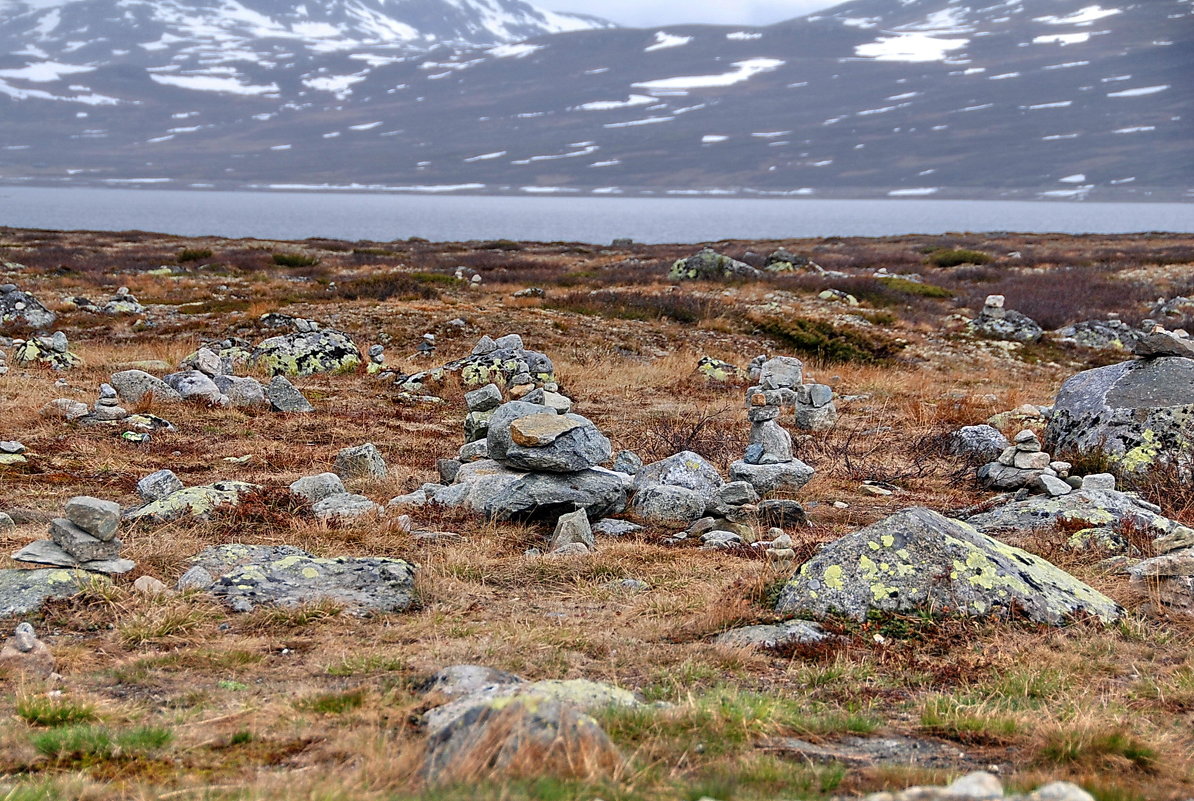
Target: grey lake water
298 215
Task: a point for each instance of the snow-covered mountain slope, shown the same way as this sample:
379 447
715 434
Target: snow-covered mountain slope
1053 98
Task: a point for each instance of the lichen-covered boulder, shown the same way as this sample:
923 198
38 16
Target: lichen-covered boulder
194 502
919 560
1101 335
709 265
21 308
322 351
24 591
247 576
1088 508
234 353
1137 412
51 351
721 372
489 363
589 696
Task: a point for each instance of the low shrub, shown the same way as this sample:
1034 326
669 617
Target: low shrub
392 286
682 308
827 342
954 257
295 260
193 254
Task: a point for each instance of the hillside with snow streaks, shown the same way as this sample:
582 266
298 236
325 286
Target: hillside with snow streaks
901 98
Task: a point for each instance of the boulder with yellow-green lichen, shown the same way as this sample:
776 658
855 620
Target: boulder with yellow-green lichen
24 591
301 354
919 560
1138 413
193 502
1120 512
247 576
499 362
52 351
721 372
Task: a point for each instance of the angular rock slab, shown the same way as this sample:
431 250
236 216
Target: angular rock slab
248 576
24 591
768 478
685 469
489 488
917 560
1138 412
48 552
778 635
1091 509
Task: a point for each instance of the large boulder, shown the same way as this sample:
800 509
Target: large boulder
322 351
1137 412
919 560
21 308
662 503
1086 508
247 576
133 385
709 265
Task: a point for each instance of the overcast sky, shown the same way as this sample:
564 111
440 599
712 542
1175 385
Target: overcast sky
648 13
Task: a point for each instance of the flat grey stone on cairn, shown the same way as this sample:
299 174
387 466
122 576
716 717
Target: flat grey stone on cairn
361 461
85 538
485 399
97 517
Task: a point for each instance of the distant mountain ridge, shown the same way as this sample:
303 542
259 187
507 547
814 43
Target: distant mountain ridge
904 98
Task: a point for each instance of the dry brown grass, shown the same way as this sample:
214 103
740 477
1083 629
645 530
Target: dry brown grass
226 685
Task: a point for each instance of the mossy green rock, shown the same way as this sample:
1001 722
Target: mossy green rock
918 560
39 351
248 576
24 591
1138 413
589 696
194 502
720 372
323 351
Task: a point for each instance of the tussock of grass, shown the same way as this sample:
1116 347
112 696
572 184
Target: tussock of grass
41 710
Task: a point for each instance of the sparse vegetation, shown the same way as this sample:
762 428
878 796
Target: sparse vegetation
174 695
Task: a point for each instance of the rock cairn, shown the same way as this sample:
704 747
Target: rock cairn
768 464
997 322
85 538
3 362
504 361
1024 465
123 302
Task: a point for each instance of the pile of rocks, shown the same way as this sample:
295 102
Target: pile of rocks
166 499
326 492
85 538
537 461
12 453
768 464
1025 465
308 350
209 380
3 362
997 322
1110 334
21 308
377 360
48 351
122 303
504 361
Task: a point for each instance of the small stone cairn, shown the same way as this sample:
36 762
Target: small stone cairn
768 463
85 538
997 322
1025 466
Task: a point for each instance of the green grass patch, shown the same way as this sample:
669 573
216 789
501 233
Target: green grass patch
92 744
1093 746
295 260
964 722
954 257
332 703
193 254
825 341
40 710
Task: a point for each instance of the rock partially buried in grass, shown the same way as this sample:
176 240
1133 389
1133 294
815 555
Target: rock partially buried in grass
920 560
195 502
284 396
777 635
24 654
158 485
361 461
24 591
247 576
